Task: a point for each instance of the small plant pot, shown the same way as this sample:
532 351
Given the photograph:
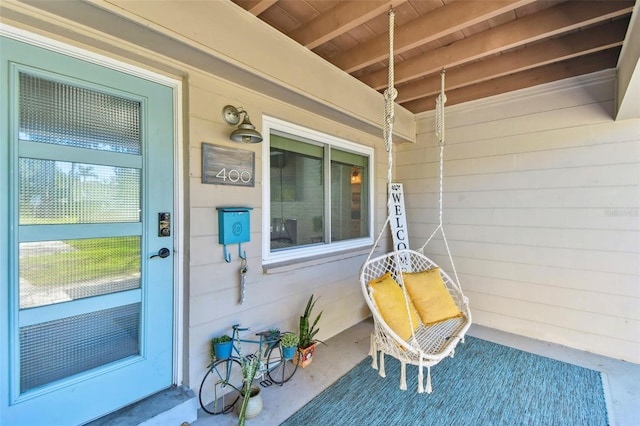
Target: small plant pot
304 356
289 353
254 406
222 350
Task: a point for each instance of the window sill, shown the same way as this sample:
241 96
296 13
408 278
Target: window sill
306 262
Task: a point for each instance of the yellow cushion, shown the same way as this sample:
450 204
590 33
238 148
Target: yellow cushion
389 299
430 296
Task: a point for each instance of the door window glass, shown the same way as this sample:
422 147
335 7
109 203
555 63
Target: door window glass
60 271
79 343
59 192
58 113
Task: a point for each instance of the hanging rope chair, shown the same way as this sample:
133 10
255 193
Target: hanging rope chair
420 313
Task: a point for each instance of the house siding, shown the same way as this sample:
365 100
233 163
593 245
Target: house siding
542 212
273 298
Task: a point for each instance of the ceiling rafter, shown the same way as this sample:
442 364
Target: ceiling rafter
338 20
533 77
486 46
569 46
256 7
547 23
441 22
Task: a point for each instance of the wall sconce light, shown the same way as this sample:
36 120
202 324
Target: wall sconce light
246 132
355 177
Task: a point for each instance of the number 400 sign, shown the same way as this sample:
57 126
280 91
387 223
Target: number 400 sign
227 166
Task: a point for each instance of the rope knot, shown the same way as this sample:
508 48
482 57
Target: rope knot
390 94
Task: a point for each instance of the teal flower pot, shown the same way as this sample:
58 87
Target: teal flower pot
222 350
289 353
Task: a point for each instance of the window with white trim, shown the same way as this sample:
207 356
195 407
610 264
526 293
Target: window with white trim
317 193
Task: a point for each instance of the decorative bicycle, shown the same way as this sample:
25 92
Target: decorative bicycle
221 386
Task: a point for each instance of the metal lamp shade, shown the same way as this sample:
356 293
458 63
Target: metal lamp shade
246 132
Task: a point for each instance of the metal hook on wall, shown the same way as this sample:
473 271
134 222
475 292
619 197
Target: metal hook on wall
241 253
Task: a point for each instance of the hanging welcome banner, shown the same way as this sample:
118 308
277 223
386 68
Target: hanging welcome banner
398 221
398 218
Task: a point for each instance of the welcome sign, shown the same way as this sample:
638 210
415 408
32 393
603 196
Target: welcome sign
398 222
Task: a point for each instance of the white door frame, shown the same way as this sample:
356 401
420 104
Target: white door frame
178 220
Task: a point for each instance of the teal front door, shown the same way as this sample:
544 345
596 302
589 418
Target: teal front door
86 271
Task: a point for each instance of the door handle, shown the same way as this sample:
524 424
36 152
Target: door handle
162 253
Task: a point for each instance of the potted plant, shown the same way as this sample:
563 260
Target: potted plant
308 331
221 347
289 342
250 398
273 336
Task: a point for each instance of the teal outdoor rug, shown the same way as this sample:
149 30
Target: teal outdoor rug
484 384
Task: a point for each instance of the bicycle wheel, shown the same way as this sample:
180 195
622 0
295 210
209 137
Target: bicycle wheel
279 369
220 387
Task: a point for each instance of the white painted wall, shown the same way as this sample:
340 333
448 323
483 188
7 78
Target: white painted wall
542 212
276 298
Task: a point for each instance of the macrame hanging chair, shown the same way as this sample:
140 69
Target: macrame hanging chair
428 343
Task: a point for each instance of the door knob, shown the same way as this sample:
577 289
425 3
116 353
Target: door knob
162 253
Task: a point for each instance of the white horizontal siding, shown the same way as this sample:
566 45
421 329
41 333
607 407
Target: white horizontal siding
602 344
542 212
277 298
584 239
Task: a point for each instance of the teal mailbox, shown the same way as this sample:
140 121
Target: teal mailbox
234 227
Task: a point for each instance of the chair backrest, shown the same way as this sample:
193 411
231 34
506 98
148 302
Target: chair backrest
405 261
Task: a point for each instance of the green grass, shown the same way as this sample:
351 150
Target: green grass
92 259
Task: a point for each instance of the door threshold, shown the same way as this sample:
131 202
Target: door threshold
173 406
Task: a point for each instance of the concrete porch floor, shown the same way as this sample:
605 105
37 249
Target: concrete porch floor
621 379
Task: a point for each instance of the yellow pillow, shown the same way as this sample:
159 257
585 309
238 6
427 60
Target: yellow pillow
389 299
430 296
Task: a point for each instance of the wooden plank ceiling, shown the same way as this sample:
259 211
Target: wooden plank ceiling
487 47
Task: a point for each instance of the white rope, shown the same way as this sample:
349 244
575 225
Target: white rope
442 99
373 351
390 95
440 129
420 374
389 111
